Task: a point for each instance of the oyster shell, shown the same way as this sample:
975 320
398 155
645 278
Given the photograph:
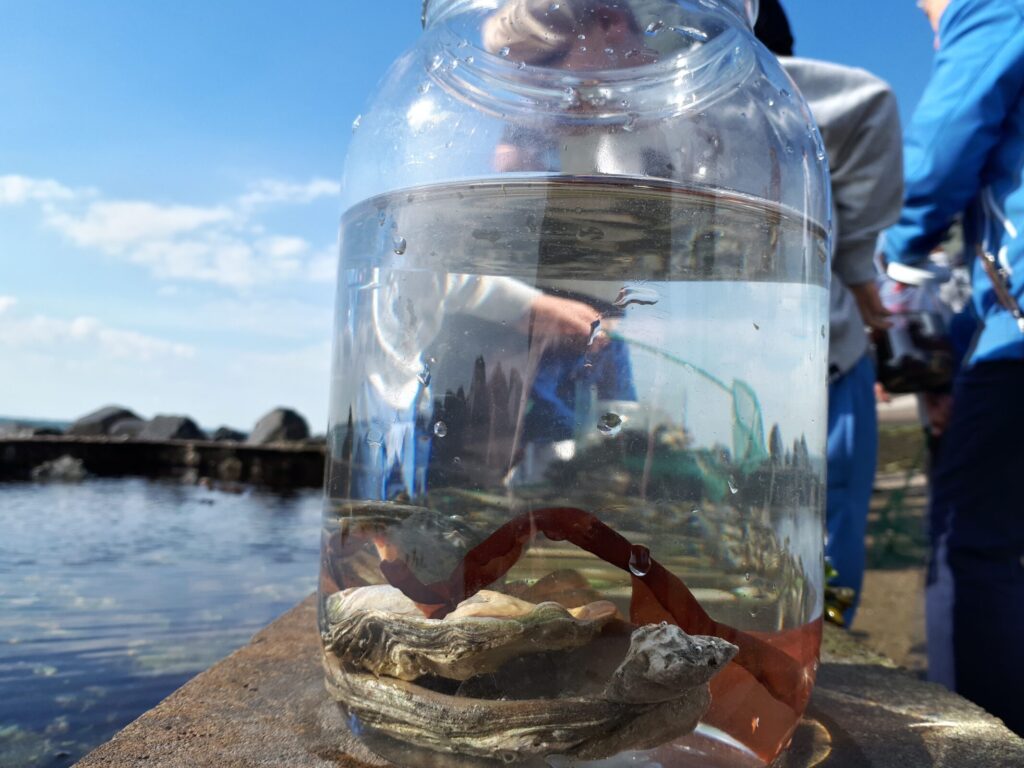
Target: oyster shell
379 645
380 630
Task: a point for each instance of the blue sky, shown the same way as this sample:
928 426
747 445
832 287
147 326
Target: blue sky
169 189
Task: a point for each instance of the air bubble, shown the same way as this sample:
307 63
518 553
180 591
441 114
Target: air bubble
423 88
440 429
636 294
424 378
610 424
654 27
639 560
733 488
505 51
356 123
630 124
398 245
436 63
691 32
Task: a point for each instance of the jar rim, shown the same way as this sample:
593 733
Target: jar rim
686 81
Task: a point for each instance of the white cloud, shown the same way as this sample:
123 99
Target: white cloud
113 226
40 332
15 190
219 244
271 191
6 302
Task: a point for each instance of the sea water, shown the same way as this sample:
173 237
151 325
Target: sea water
650 355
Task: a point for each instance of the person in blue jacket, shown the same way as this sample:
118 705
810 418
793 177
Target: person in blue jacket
964 151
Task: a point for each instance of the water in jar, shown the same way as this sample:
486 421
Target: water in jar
563 409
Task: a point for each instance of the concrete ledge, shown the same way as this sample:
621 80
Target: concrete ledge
265 705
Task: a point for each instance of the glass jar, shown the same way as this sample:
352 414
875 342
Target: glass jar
576 454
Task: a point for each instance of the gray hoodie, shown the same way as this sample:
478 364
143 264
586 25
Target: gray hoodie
860 125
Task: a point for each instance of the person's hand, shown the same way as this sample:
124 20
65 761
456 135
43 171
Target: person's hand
872 310
557 319
882 394
939 407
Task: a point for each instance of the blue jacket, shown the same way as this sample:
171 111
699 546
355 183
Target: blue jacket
964 152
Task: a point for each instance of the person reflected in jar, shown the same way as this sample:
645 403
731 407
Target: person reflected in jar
575 36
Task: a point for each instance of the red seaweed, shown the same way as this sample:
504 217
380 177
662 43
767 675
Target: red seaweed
658 594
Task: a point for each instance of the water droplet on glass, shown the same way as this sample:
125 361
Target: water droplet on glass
630 124
423 88
610 424
823 331
639 560
754 723
440 429
640 295
356 123
505 51
757 327
784 93
820 153
709 3
609 51
456 460
520 65
554 6
436 62
747 576
733 488
463 43
424 376
571 97
581 36
771 102
469 59
654 27
508 757
789 148
398 245
375 437
595 329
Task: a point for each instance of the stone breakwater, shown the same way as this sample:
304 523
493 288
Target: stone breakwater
226 465
113 441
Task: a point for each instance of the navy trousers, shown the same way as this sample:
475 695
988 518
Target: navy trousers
975 590
852 454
